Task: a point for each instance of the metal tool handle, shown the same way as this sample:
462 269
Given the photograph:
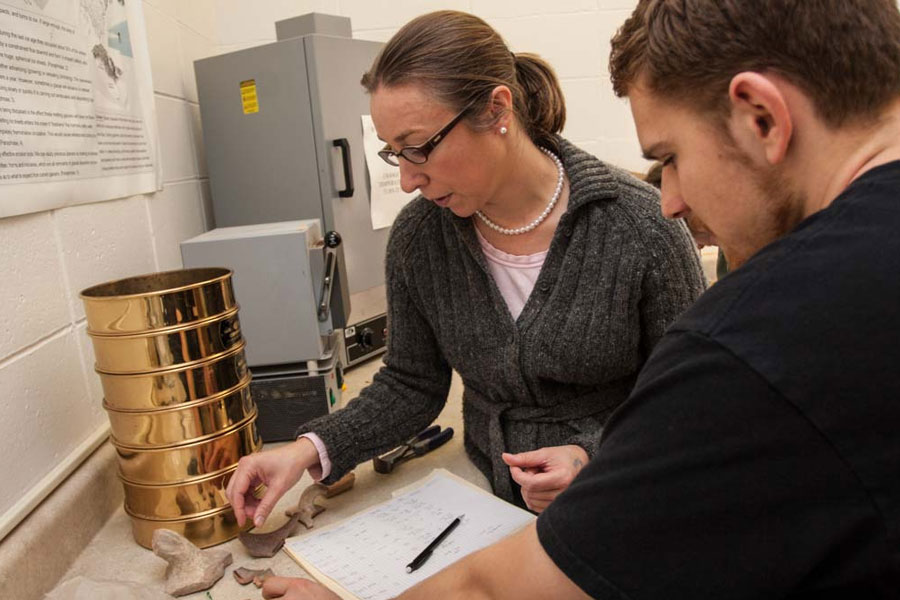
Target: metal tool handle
435 441
332 241
425 434
344 145
384 464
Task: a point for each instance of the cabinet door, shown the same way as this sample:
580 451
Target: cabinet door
335 66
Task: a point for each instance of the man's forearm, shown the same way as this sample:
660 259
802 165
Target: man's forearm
456 581
516 567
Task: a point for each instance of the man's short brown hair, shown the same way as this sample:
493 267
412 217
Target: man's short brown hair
844 54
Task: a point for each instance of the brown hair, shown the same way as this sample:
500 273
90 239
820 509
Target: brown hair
459 59
843 54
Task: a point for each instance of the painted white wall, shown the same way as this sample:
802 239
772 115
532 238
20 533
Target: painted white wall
51 400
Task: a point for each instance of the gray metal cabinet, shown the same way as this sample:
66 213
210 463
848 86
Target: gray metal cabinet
279 122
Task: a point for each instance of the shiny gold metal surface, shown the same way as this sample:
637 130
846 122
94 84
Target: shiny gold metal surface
188 462
181 423
170 355
186 345
157 300
204 531
177 500
177 385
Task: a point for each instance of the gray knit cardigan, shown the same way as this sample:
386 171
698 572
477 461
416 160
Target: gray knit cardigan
616 275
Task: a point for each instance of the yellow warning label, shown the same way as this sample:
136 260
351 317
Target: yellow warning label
249 100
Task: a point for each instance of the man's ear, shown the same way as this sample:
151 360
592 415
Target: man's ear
760 118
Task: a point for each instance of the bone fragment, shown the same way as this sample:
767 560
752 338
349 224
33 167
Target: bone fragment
190 568
268 544
307 506
265 545
341 485
243 575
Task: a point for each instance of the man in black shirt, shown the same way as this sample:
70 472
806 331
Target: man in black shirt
759 454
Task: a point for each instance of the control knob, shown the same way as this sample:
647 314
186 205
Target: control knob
365 338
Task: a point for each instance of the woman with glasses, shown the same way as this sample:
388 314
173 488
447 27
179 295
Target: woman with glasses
543 276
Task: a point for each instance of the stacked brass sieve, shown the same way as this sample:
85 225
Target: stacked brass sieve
170 356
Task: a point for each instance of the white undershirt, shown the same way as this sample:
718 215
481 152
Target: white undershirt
514 275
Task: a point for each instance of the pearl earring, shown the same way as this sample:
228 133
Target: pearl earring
503 130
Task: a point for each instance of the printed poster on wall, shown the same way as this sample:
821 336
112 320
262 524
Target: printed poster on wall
77 120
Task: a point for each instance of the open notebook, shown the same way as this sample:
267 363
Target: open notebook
365 556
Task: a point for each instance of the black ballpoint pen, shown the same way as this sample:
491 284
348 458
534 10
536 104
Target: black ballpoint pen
424 554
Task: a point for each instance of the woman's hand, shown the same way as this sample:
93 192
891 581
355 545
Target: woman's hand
545 472
291 588
278 469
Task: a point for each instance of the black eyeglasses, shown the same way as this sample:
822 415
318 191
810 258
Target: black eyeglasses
419 154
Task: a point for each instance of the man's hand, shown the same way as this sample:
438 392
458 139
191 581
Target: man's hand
545 472
278 469
291 588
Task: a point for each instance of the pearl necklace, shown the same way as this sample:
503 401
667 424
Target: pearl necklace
543 215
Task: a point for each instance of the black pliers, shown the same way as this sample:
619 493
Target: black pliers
419 445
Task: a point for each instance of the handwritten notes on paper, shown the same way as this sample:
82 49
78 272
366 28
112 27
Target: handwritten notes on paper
365 556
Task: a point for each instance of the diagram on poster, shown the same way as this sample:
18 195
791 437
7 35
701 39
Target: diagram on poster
76 104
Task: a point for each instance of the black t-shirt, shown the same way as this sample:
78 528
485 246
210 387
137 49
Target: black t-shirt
759 453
